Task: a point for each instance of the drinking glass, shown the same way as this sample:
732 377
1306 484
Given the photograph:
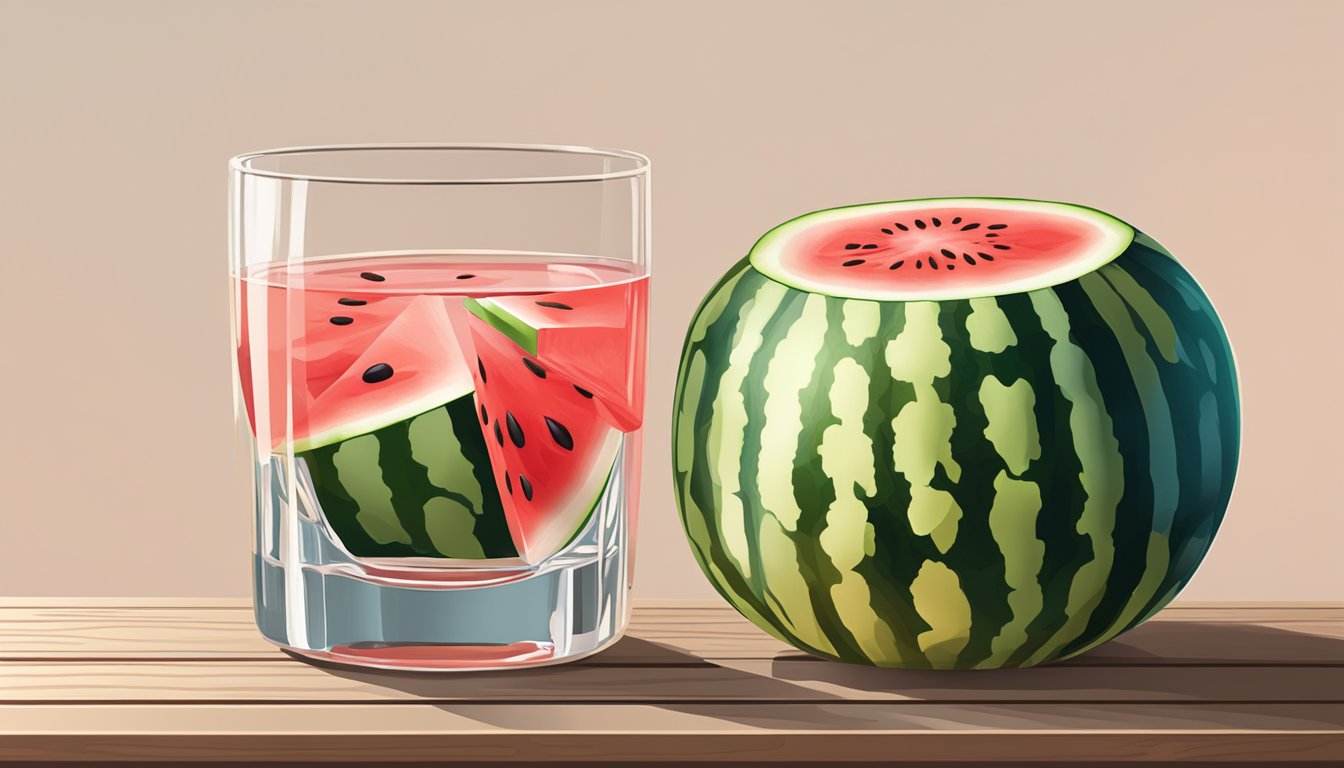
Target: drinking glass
439 366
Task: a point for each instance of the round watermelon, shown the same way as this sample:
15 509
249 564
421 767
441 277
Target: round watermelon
954 433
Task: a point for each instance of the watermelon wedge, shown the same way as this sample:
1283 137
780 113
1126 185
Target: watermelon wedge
551 449
593 337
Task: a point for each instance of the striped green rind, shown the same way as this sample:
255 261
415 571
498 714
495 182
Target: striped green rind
419 488
986 482
505 322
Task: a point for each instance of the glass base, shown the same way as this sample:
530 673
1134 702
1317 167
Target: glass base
558 615
314 599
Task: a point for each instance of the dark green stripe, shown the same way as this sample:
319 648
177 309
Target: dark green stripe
492 526
1134 513
975 555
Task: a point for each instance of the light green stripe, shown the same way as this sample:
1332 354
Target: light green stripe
988 327
1012 521
1102 474
789 371
847 459
451 528
1011 415
861 320
1158 559
942 605
693 383
435 446
1145 240
1154 318
784 583
728 422
923 428
357 470
713 308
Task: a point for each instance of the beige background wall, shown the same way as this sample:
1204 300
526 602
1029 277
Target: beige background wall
1213 125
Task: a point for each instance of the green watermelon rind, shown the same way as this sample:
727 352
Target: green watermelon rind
507 323
377 420
396 522
1115 234
850 588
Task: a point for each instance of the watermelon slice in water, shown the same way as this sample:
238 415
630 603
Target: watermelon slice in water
558 376
594 337
385 403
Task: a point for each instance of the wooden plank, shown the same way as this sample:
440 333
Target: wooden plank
658 635
745 680
707 733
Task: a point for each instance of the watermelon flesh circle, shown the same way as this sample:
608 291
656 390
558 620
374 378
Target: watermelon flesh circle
939 249
375 384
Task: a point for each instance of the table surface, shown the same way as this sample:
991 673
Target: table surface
89 680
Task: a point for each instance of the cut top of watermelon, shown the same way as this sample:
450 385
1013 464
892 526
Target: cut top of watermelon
935 249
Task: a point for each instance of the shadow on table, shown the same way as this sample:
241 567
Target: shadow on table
632 670
1158 661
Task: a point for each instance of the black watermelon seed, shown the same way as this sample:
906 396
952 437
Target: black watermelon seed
951 267
991 234
485 417
851 247
515 431
957 220
968 259
553 305
499 436
534 368
507 482
936 222
969 227
897 265
526 486
372 276
984 256
869 246
583 392
340 320
902 227
852 263
949 254
351 302
559 434
887 231
919 223
997 226
377 372
1002 247
481 367
919 263
465 277
933 262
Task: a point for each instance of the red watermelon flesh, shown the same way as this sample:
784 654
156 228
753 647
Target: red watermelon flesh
938 249
323 326
593 337
550 448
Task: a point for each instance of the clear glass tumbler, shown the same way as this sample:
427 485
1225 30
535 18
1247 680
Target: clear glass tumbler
440 378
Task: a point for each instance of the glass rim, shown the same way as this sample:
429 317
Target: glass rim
243 163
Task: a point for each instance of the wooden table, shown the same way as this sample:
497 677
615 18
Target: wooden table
192 681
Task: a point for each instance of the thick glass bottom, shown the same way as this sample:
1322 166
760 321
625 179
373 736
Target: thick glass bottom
314 599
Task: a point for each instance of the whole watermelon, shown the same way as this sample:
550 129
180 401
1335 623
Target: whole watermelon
954 433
